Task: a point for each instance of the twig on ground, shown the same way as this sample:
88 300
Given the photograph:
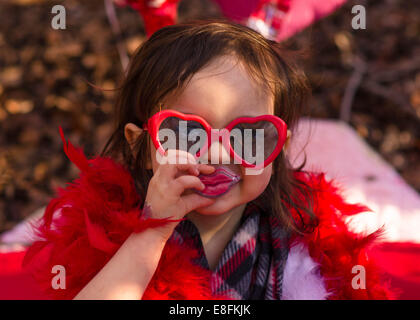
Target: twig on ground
353 84
403 68
384 92
115 26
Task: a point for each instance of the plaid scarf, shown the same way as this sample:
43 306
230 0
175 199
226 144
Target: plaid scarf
251 266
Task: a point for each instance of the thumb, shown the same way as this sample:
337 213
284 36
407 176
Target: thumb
194 201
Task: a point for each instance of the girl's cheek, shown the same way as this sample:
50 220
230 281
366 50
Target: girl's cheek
256 184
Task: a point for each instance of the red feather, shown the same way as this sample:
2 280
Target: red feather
338 249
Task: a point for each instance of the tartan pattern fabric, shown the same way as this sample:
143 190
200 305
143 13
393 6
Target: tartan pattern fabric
252 263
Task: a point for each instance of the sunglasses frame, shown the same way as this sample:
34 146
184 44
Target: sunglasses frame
222 135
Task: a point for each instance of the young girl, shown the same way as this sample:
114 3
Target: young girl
200 225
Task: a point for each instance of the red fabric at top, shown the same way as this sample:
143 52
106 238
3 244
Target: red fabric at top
237 10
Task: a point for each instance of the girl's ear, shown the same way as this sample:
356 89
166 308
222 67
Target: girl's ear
132 133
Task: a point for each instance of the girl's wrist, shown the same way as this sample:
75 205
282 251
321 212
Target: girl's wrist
149 237
162 232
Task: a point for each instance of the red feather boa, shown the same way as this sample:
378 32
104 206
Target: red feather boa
336 248
90 219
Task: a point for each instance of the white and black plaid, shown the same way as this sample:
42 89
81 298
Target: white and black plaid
251 266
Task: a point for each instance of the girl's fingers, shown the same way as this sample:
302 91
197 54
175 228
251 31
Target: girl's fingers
174 170
180 157
194 201
182 183
205 168
179 161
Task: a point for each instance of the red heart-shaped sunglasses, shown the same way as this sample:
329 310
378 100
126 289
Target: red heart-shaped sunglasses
253 142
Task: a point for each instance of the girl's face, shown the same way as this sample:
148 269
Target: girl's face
219 93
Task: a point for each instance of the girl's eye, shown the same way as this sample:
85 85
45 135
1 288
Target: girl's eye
183 132
187 127
248 127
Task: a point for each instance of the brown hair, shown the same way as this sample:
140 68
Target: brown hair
164 64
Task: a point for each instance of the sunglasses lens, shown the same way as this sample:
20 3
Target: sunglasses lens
187 135
254 142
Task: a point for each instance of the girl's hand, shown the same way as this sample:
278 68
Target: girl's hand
164 195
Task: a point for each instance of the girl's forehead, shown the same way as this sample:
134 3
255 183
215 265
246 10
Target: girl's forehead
221 92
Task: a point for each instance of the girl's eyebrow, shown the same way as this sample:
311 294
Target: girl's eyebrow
242 116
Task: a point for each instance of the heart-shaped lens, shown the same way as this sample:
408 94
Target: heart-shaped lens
179 134
254 142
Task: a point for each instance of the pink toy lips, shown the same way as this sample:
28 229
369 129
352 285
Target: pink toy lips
218 183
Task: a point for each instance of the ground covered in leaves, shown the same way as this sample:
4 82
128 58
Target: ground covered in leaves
45 78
